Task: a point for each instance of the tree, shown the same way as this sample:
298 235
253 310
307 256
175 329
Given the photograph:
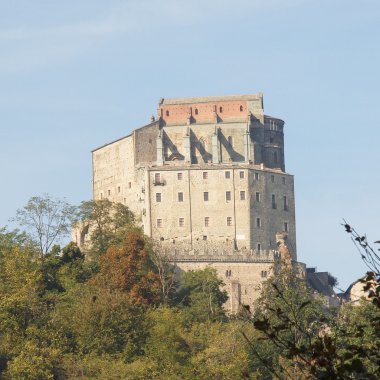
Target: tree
46 220
128 267
200 293
106 223
371 258
290 318
166 275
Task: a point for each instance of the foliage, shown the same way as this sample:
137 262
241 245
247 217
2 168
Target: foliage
371 259
46 220
201 295
107 223
128 267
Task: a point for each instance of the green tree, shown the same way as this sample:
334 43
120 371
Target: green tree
106 222
201 295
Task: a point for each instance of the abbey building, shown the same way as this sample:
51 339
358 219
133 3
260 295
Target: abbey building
206 178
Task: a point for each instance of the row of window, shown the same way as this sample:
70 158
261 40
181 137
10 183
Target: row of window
229 198
196 111
227 175
181 223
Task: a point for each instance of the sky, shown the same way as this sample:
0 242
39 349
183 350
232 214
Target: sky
75 75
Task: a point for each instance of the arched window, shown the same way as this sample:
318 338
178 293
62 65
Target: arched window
230 141
196 111
220 109
241 108
167 113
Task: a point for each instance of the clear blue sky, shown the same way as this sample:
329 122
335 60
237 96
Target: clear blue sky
77 74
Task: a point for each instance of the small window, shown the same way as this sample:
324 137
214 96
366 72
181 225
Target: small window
167 113
157 177
227 175
207 221
241 108
264 274
274 206
205 175
259 247
220 109
180 197
230 141
204 237
258 222
272 178
257 176
196 111
158 197
159 223
286 227
118 189
285 201
101 195
179 176
257 197
242 195
275 157
129 185
228 195
228 273
241 174
229 220
283 180
181 222
109 192
205 196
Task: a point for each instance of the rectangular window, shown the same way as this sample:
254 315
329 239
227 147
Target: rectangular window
118 189
180 197
274 201
204 237
264 274
129 185
256 176
101 195
258 246
283 180
257 197
286 227
229 220
242 195
241 174
228 196
181 222
109 192
258 222
205 175
205 196
207 221
158 197
159 223
157 177
227 175
286 208
179 176
272 178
